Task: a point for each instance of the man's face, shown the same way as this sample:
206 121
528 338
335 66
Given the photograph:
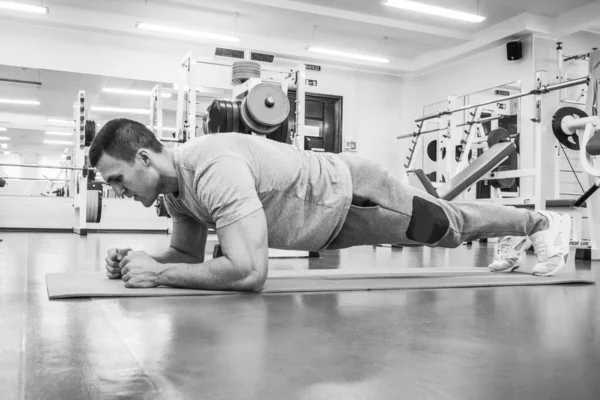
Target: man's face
138 180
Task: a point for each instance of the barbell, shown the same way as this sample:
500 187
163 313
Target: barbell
85 169
262 111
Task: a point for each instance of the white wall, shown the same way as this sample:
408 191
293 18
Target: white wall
371 102
485 70
477 73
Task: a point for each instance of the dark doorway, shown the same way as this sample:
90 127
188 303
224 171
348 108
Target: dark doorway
322 111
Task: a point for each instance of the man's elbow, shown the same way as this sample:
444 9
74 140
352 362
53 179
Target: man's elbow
255 281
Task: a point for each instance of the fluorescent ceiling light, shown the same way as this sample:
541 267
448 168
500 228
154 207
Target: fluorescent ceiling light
186 32
59 121
142 111
2 129
6 152
9 5
4 145
60 133
4 138
61 142
132 92
20 102
434 10
348 55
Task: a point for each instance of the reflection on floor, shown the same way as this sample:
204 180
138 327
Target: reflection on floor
485 343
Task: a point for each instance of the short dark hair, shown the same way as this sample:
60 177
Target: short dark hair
121 138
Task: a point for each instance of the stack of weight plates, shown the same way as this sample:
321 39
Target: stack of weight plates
244 70
224 116
265 108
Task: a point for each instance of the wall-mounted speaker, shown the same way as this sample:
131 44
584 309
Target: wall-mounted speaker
514 51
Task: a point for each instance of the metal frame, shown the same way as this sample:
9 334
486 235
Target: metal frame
291 78
541 88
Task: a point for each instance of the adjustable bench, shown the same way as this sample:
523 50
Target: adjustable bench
468 176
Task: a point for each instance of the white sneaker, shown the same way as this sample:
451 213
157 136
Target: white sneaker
552 245
509 253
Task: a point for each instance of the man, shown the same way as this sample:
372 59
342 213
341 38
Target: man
258 193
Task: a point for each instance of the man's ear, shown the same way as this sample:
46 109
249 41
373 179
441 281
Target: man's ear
144 156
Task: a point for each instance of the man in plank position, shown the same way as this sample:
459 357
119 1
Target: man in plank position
258 193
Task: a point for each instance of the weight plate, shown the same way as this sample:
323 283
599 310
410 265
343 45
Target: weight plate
496 136
432 151
91 206
90 132
570 141
99 213
236 117
267 104
229 116
251 124
205 123
504 183
212 112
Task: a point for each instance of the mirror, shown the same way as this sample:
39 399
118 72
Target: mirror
36 123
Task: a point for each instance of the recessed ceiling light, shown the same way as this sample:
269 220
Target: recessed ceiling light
20 102
2 129
142 111
345 54
132 92
10 5
434 10
186 32
4 145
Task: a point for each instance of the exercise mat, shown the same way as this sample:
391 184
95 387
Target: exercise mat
96 284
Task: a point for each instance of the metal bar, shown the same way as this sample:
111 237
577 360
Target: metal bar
482 120
587 194
209 61
518 173
577 57
420 133
7 80
431 116
42 166
170 140
543 89
32 179
479 121
498 100
574 102
562 85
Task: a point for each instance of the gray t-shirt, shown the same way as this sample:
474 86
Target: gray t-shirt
225 177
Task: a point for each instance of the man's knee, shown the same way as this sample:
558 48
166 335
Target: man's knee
429 223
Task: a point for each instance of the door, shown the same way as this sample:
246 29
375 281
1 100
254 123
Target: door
323 112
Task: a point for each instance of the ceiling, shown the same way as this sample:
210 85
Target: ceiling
415 42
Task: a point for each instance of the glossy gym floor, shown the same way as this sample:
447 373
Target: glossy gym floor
486 343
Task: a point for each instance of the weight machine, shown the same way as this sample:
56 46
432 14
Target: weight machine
254 101
257 104
566 123
88 193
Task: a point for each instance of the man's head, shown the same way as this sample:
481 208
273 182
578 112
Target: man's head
129 156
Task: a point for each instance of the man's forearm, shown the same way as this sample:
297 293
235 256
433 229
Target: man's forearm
174 256
216 274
